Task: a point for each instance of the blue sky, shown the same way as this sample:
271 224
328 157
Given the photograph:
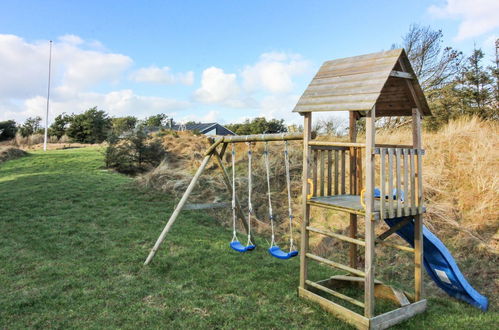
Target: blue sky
203 60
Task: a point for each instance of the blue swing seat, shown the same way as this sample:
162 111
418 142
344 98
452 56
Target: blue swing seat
276 251
236 245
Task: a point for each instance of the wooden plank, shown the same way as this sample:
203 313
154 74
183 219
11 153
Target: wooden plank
214 145
336 144
398 315
335 264
413 182
322 178
314 172
369 266
399 186
418 219
353 106
395 228
336 208
391 212
343 173
262 137
401 74
382 183
352 229
407 210
178 208
335 235
329 173
381 290
420 181
336 172
206 206
337 310
359 170
307 135
335 293
393 53
222 151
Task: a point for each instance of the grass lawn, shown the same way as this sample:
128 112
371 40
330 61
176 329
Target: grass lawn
73 238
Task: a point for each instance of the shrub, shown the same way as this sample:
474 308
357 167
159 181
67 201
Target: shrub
134 154
8 130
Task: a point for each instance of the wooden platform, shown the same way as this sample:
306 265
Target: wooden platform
351 204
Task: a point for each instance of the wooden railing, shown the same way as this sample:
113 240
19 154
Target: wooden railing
400 168
336 168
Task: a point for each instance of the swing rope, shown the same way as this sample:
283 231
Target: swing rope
274 249
234 235
288 185
271 213
250 184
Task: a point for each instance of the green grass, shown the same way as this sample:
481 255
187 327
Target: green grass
73 238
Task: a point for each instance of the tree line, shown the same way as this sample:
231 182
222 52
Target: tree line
91 126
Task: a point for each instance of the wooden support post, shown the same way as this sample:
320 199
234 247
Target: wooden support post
307 135
228 185
353 188
418 223
329 173
369 223
178 208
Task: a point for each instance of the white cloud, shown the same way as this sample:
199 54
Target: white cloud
218 87
116 103
280 107
77 70
154 74
209 117
478 16
274 72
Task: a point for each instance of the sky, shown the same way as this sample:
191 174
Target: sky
207 61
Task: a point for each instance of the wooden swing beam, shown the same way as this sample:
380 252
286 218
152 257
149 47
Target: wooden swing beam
212 152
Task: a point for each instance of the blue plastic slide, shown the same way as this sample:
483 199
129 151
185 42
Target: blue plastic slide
441 266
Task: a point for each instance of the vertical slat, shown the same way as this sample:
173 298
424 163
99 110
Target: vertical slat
307 135
370 256
390 183
413 183
353 170
323 181
399 186
329 172
343 173
407 211
359 170
382 183
314 173
336 173
420 181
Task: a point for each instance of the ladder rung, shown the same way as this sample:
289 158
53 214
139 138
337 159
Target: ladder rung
335 264
338 236
335 293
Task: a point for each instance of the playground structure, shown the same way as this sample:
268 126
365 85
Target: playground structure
368 86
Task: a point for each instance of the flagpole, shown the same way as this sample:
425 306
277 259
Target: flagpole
48 100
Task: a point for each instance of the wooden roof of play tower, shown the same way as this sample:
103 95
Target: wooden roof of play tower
385 80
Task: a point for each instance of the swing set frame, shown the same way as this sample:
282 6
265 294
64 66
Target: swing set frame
216 151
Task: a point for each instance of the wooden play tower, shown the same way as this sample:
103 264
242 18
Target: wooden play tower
369 86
